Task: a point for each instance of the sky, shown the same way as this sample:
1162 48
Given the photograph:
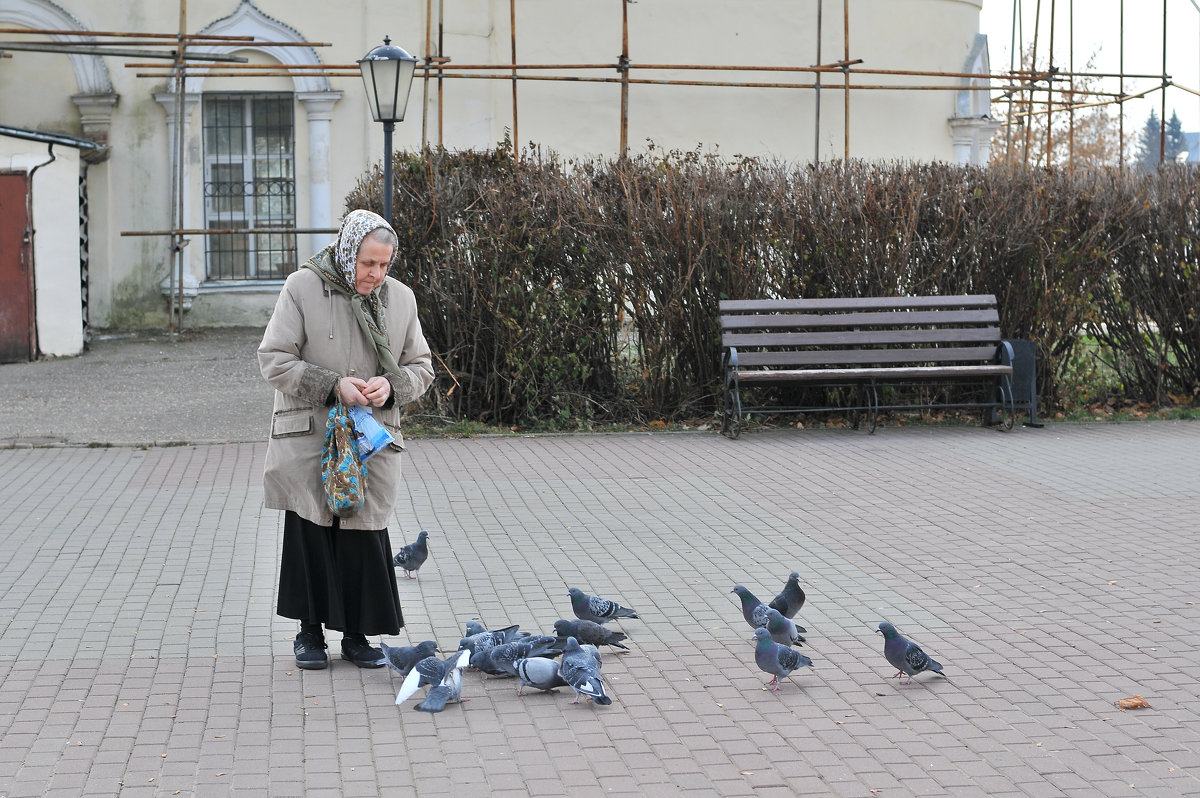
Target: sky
1097 31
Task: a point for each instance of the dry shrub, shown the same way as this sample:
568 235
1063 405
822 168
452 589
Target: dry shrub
560 291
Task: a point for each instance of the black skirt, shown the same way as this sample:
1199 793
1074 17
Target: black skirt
343 579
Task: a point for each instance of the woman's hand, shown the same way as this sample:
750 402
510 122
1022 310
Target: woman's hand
351 389
377 391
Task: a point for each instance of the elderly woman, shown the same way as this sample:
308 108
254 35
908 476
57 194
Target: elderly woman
341 329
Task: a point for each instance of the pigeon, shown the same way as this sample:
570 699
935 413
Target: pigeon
435 672
486 640
790 599
905 655
538 672
447 692
777 659
596 609
474 627
589 632
412 556
402 658
502 659
753 610
580 669
783 630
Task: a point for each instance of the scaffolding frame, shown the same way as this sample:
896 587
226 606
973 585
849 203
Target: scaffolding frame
1027 90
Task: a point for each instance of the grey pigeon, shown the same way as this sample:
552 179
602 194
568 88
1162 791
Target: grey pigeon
580 669
434 672
589 632
783 630
448 692
775 658
753 610
791 598
474 627
598 610
413 556
486 640
401 659
502 659
538 672
905 655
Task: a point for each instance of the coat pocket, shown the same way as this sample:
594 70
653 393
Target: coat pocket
397 444
291 423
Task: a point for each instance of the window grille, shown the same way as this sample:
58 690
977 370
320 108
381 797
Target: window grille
249 183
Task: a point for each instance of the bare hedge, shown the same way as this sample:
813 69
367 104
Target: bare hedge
588 289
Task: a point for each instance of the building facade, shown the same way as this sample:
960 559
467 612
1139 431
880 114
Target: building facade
265 149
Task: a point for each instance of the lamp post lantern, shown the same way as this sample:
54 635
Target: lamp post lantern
387 74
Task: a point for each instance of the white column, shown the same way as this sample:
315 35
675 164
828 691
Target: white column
973 139
191 253
167 101
319 105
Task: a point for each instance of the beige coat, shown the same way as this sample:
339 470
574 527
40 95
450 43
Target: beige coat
311 342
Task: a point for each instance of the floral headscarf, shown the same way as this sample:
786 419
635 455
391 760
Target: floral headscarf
337 264
355 227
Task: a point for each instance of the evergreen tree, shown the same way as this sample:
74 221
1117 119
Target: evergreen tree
1176 142
1149 144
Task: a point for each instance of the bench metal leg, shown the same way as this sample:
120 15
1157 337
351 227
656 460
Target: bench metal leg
731 407
872 408
1003 394
731 424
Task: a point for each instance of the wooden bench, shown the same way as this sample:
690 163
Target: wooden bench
865 342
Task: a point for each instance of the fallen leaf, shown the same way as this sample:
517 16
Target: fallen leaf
1133 702
1112 581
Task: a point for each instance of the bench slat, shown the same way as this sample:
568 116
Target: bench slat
953 335
844 375
856 303
833 357
884 319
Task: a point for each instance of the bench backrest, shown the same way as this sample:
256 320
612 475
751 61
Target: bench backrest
831 332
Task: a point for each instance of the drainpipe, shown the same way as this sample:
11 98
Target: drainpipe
27 239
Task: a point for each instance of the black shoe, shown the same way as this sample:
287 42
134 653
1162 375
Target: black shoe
310 651
361 653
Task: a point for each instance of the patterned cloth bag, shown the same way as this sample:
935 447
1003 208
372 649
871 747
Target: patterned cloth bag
343 474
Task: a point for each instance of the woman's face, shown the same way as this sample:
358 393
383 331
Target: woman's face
372 265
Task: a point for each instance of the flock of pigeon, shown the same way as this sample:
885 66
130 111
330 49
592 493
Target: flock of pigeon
571 656
533 659
775 634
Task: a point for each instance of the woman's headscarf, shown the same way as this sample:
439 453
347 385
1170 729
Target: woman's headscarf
355 227
338 272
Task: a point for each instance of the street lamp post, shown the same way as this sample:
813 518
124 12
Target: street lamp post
387 74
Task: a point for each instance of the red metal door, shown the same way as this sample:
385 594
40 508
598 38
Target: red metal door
16 271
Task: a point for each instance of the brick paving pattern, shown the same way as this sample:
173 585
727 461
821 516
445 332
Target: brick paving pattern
1051 571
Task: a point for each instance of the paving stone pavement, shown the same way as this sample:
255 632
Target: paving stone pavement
1052 571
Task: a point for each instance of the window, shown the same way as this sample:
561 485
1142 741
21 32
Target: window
249 183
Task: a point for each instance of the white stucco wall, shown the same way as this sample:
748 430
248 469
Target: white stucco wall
58 299
131 190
